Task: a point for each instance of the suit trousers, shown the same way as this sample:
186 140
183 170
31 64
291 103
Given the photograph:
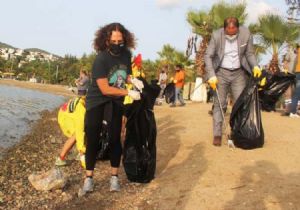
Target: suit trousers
229 81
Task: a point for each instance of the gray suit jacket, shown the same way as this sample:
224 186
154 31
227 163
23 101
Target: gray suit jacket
215 51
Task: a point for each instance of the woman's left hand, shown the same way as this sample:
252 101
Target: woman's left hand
137 83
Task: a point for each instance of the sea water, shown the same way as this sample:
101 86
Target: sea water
20 107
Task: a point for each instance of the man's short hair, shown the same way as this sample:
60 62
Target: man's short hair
231 20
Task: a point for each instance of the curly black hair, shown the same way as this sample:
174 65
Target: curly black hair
102 36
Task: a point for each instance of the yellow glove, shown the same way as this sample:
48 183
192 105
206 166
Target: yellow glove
174 81
256 71
263 82
286 71
171 79
213 82
128 99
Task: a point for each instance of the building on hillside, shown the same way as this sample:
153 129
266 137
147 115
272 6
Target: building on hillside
11 50
19 52
28 56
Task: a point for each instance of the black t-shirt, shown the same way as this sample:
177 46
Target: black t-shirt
115 69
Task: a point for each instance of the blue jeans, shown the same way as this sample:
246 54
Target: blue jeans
296 95
178 96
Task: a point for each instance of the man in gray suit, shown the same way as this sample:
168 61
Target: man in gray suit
229 61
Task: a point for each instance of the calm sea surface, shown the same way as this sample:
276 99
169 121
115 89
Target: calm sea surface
18 108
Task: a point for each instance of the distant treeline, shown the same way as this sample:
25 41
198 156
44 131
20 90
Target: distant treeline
65 70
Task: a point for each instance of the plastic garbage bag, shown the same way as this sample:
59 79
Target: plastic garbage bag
245 119
103 152
169 93
275 87
104 136
139 154
49 180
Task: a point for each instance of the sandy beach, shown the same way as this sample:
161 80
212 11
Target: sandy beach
191 172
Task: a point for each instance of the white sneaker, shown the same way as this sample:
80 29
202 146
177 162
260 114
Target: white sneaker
294 115
114 184
88 186
60 162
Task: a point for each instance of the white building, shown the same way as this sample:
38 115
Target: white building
19 52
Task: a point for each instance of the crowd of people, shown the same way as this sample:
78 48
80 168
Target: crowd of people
229 60
177 81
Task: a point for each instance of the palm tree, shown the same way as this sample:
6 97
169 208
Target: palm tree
259 50
204 22
169 56
273 32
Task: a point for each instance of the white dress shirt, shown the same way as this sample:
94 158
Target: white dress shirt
231 55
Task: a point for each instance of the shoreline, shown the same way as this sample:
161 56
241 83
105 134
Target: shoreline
36 152
47 88
20 160
58 90
26 157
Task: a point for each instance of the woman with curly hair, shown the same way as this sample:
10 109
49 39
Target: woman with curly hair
111 70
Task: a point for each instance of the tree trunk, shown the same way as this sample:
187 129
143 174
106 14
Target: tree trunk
274 64
200 65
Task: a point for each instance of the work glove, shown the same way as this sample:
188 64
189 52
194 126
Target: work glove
138 84
213 81
256 72
174 81
135 95
263 82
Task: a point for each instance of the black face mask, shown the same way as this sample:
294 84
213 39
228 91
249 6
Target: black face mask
116 49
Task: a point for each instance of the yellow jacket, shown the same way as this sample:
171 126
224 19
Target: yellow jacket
71 121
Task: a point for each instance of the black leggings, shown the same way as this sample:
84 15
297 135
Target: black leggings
93 122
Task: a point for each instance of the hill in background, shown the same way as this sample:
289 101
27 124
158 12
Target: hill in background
3 45
40 51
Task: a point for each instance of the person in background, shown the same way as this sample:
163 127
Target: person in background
82 83
289 64
111 70
179 84
296 94
162 80
229 61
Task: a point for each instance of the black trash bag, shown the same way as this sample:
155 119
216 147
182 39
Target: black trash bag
139 154
103 147
169 93
103 150
245 119
275 87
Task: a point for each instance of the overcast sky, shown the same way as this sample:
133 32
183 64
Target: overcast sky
68 26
